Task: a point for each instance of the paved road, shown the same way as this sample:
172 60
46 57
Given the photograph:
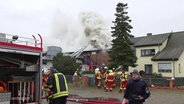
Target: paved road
158 96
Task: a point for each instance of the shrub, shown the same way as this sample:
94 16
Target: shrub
155 75
88 72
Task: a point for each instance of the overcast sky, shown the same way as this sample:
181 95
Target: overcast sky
59 20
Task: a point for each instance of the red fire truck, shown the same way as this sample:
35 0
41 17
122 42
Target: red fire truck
20 69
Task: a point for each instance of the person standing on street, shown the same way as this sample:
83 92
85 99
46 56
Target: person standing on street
110 80
137 90
99 78
114 72
105 75
59 88
123 79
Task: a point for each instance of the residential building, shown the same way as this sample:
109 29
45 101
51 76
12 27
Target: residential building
156 53
94 58
161 54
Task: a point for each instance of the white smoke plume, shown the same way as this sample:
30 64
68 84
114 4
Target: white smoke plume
89 28
95 29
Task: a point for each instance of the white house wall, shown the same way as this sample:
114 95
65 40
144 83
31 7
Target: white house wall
179 66
141 61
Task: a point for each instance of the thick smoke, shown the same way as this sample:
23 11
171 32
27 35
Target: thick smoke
95 29
73 34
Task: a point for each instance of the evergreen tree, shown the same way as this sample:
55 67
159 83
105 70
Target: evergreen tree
121 52
65 64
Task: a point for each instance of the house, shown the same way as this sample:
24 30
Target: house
94 58
161 54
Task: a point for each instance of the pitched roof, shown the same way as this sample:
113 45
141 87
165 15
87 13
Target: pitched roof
150 40
173 49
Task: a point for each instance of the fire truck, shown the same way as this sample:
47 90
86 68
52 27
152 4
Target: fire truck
20 69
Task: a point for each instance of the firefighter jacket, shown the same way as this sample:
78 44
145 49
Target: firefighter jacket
105 76
99 75
58 85
110 77
3 86
124 76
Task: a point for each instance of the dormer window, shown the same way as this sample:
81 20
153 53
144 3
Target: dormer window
148 52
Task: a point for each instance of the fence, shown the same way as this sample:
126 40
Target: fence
178 82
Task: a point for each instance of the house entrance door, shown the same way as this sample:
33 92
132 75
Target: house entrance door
148 69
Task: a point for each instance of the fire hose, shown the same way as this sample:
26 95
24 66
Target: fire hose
82 100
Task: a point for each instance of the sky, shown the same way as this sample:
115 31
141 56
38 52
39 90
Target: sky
72 24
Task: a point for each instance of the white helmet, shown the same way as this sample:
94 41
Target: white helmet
45 71
105 67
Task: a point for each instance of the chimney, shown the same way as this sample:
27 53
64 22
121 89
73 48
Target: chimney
149 34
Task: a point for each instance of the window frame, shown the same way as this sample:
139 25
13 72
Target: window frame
167 70
147 52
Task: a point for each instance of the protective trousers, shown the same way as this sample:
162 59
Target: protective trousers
98 82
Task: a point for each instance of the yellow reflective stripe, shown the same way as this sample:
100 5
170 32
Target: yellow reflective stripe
50 96
123 80
50 86
59 94
57 82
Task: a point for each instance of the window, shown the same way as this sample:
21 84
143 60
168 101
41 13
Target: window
179 68
148 69
164 67
93 53
148 52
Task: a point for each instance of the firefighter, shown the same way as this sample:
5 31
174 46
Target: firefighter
105 75
110 80
76 73
76 78
114 73
58 85
123 79
3 87
46 91
99 77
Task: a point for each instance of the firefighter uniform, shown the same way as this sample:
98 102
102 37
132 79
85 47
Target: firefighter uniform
110 81
114 82
99 78
58 85
46 90
3 86
123 79
105 75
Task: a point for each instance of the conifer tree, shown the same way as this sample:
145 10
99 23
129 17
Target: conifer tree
65 64
121 52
